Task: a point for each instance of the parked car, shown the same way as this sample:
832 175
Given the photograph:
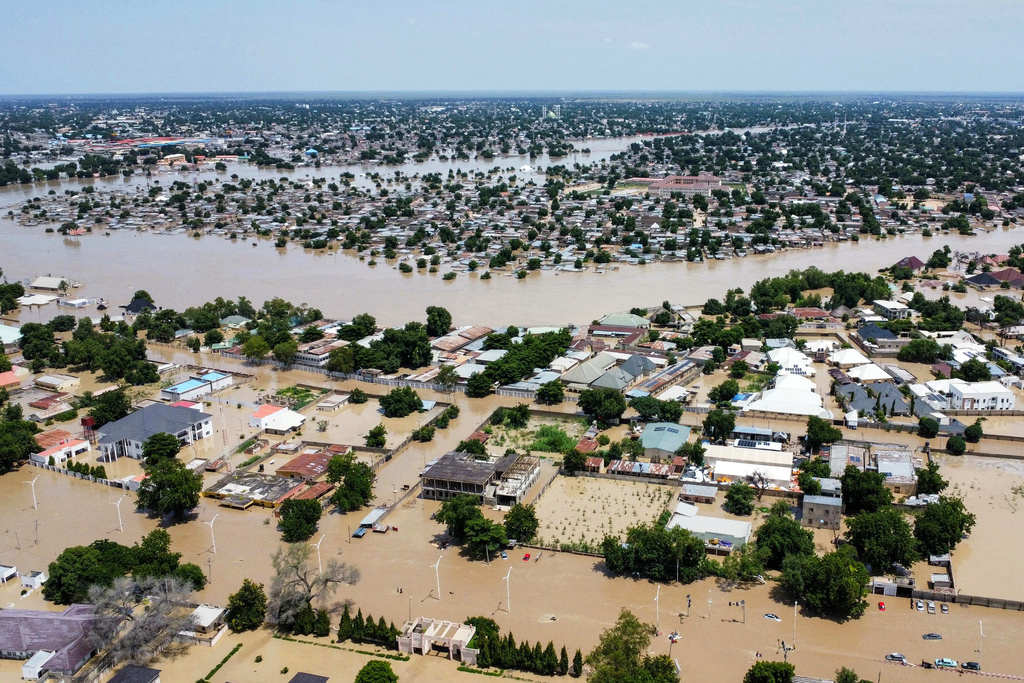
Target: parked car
931 607
932 636
945 608
773 617
970 666
504 555
945 662
526 557
920 606
896 657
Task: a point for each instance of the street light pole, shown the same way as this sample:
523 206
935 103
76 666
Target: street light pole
508 590
795 602
35 505
657 610
319 567
120 526
212 535
437 575
981 637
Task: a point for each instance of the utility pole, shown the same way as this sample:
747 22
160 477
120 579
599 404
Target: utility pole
37 531
657 610
212 535
795 602
120 526
981 637
35 505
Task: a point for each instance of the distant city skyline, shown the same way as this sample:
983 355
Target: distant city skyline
531 46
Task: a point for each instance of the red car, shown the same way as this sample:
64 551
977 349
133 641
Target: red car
526 557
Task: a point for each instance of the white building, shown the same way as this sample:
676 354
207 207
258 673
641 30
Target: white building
61 452
892 310
276 419
989 395
197 387
126 436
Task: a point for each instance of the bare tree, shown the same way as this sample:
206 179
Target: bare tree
297 583
759 480
139 619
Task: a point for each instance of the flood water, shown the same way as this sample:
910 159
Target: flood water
181 271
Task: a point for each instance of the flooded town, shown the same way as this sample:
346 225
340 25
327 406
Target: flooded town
616 380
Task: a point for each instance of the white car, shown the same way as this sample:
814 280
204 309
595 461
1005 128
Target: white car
920 606
773 617
896 657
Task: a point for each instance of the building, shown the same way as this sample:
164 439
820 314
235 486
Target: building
125 437
302 677
241 490
874 338
716 532
57 382
207 625
34 579
196 387
62 452
136 674
276 419
698 493
661 440
989 395
9 380
428 636
496 481
821 512
306 466
687 186
63 637
897 464
892 310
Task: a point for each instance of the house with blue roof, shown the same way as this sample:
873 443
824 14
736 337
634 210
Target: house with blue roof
661 440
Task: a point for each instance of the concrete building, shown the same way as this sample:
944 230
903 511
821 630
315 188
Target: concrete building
55 382
687 186
62 452
989 395
136 674
196 387
698 493
897 464
124 438
496 481
276 419
661 440
892 310
821 512
716 532
429 636
55 642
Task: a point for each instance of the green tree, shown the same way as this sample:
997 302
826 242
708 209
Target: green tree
820 432
724 392
285 351
247 608
456 513
563 662
835 584
844 675
376 671
770 672
478 385
955 445
719 424
573 462
974 370
484 536
255 348
940 527
929 480
973 432
693 452
160 446
17 440
781 535
864 491
439 320
299 519
363 325
71 574
342 359
621 654
447 378
577 664
551 393
521 522
739 499
214 336
400 402
928 428
882 539
377 437
110 406
170 488
603 404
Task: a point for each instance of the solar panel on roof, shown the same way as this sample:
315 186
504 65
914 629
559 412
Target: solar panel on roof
659 429
673 430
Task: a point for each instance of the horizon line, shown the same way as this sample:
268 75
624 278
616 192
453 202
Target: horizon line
449 93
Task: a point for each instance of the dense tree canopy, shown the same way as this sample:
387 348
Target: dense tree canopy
170 488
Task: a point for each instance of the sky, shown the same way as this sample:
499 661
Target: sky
147 46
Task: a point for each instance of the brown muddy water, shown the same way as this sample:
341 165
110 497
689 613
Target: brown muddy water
181 271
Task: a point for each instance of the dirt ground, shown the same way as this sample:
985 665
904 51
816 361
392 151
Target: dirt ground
584 510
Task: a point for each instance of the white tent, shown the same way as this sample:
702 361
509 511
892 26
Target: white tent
790 402
794 383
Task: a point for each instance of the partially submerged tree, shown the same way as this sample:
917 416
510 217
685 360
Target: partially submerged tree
247 608
297 583
621 654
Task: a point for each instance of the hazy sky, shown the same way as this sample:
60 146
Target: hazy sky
101 46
